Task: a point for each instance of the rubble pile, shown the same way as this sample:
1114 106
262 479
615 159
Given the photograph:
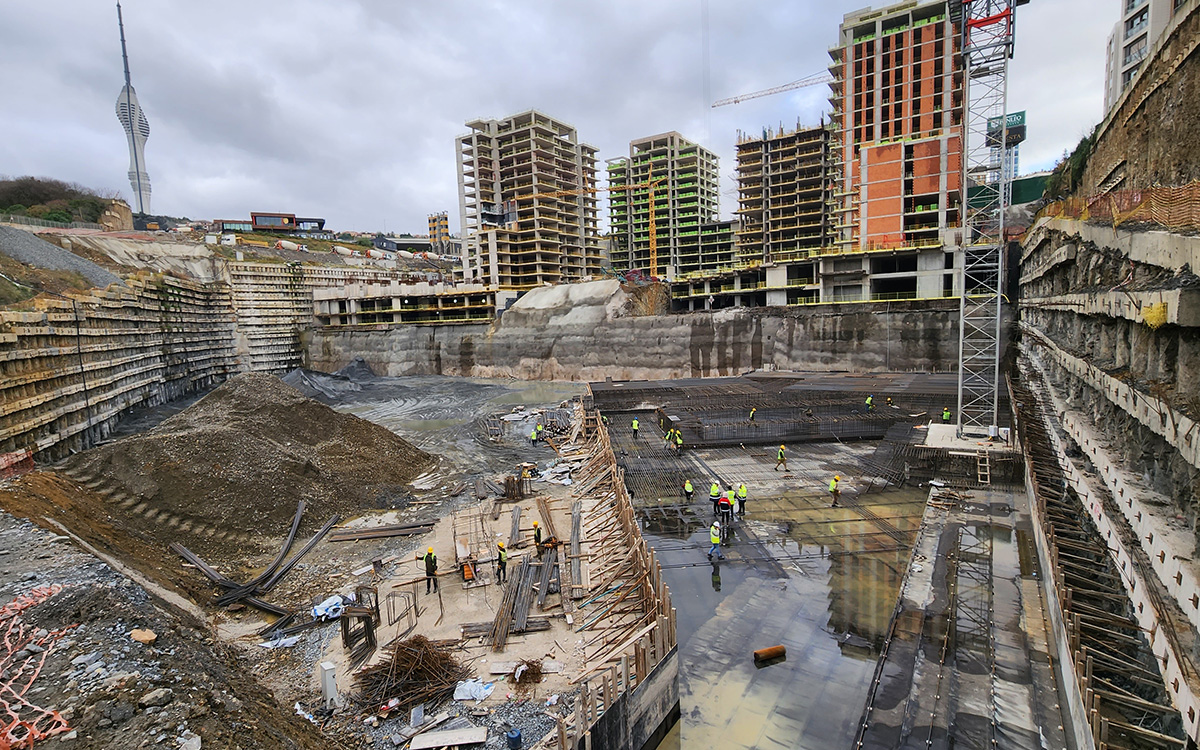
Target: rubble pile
239 459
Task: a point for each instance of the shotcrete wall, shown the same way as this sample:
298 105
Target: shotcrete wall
70 368
582 343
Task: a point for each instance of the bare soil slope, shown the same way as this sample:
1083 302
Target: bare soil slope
231 468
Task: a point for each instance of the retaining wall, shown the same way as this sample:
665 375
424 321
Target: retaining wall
892 336
69 368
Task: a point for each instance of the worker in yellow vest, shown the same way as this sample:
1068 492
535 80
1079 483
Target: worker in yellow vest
678 441
635 427
753 411
741 499
871 403
533 436
688 490
714 536
537 538
501 563
714 494
781 460
946 415
834 491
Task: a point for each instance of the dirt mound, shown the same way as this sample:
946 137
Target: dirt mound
233 465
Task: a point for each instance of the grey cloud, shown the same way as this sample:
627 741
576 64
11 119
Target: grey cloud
349 109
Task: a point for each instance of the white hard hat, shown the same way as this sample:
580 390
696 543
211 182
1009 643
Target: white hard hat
717 524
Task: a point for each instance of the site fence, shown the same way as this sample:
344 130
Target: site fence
30 221
1171 207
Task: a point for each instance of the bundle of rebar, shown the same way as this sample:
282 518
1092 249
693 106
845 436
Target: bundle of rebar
516 591
415 671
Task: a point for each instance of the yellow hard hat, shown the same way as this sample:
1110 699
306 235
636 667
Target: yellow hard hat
838 478
781 447
501 545
535 523
431 549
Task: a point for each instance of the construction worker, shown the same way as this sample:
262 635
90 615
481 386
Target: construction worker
725 506
714 536
753 409
871 403
889 400
538 430
808 412
537 538
688 490
781 460
714 494
741 499
946 415
678 441
533 436
635 427
431 583
501 563
834 491
604 419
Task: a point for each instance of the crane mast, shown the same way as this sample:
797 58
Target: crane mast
987 42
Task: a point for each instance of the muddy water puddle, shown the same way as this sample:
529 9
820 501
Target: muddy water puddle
820 581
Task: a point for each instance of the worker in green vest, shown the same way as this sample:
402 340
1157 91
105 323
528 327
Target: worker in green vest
635 427
538 430
834 491
501 563
533 436
753 410
781 460
688 490
431 582
946 415
678 441
871 403
741 499
714 494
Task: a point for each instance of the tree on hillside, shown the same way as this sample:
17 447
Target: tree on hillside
52 200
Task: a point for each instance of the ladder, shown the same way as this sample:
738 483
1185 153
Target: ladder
983 468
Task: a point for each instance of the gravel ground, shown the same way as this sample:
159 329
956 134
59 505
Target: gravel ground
33 251
77 651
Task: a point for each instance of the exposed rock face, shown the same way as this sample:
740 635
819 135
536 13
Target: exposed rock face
582 332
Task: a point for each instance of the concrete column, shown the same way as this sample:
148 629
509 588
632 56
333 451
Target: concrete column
930 267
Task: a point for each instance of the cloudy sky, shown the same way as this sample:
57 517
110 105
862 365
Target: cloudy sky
348 109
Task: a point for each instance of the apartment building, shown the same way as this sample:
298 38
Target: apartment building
1132 38
683 178
527 202
898 112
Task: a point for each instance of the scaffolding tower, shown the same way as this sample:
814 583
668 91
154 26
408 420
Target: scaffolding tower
987 42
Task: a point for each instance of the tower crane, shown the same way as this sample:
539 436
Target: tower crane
812 80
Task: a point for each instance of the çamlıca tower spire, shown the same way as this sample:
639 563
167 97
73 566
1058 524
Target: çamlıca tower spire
137 130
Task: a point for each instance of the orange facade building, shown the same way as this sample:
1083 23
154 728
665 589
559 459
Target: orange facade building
898 114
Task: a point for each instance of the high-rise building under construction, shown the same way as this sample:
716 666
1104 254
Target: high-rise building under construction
683 179
898 113
784 195
527 202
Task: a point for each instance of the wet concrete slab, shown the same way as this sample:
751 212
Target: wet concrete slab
820 581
